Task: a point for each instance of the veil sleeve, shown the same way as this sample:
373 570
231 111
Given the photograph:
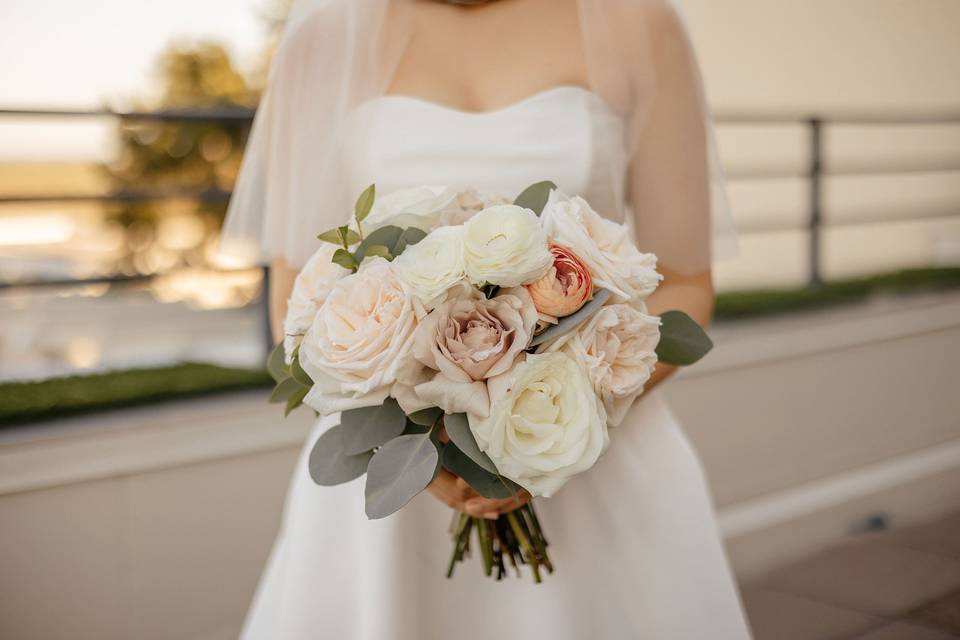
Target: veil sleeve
641 60
332 56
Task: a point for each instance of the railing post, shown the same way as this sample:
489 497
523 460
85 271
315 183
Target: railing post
816 201
265 301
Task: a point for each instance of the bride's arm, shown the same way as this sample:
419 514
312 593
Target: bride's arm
669 179
282 276
692 294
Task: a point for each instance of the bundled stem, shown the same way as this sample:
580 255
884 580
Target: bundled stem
517 535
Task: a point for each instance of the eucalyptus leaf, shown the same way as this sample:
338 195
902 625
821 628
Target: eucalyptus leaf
370 427
386 236
535 196
295 400
285 389
329 465
571 322
413 427
296 370
348 236
365 203
458 428
345 259
332 236
411 236
277 364
398 471
489 485
426 417
682 340
377 250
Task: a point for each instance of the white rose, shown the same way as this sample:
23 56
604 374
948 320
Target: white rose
617 347
434 264
359 339
546 424
505 245
604 246
420 207
310 289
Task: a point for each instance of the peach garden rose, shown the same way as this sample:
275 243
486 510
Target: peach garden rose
565 288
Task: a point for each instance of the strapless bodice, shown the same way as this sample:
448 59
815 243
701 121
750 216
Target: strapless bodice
567 134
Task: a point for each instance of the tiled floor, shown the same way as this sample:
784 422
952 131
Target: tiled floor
900 585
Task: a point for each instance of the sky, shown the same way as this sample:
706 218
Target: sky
72 53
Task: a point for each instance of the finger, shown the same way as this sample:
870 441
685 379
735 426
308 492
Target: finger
464 490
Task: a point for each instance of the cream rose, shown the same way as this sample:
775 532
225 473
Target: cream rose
359 338
546 424
464 341
505 245
310 289
420 207
604 246
617 347
434 264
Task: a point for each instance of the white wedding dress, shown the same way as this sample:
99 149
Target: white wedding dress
634 540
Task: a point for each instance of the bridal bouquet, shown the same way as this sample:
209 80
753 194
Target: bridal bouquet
497 340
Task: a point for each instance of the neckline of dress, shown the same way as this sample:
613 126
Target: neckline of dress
522 102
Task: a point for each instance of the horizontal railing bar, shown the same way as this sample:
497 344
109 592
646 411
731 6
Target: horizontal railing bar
231 114
845 222
242 115
205 195
68 283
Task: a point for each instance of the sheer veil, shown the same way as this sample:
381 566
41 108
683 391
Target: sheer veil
336 54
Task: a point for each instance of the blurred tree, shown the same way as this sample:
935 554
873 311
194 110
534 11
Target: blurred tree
186 156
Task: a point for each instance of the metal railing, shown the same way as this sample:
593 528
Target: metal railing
815 173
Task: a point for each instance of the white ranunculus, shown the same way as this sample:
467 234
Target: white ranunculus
434 264
604 246
420 207
546 424
310 289
617 347
505 245
359 339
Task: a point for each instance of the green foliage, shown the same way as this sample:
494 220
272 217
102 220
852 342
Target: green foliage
489 485
458 429
330 465
682 340
370 427
571 322
750 304
364 204
535 196
23 402
398 471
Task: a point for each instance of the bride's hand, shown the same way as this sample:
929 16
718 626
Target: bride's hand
454 492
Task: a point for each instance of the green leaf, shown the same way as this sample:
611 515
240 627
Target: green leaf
295 400
682 340
489 485
284 390
377 250
365 203
394 238
332 236
426 417
535 196
296 370
329 465
370 427
571 322
458 428
345 259
348 236
413 427
277 365
398 471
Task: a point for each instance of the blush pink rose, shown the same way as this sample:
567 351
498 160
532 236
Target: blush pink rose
565 288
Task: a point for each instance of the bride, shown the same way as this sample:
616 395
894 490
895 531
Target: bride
602 97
